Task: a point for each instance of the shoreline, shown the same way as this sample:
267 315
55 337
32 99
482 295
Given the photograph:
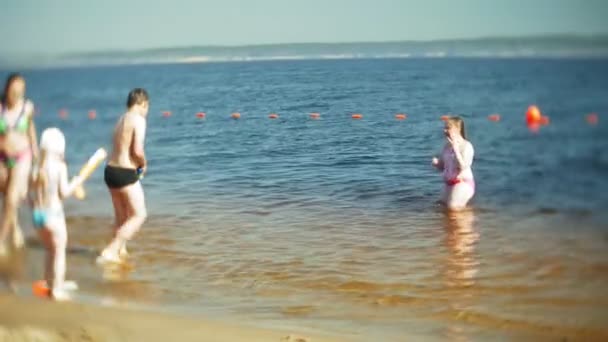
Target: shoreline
31 319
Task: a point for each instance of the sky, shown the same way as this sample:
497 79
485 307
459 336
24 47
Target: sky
62 26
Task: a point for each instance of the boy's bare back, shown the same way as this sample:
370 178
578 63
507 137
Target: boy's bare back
128 135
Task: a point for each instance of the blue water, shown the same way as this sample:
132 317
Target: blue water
275 219
377 163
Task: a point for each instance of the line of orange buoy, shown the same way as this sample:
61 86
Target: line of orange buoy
494 117
534 117
593 119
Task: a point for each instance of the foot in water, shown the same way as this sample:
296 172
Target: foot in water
18 240
108 258
61 295
123 254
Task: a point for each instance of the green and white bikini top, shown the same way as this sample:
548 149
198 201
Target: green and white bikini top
21 125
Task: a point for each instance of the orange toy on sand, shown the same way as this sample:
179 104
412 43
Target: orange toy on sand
40 289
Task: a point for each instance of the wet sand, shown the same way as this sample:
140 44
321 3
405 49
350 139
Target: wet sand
28 320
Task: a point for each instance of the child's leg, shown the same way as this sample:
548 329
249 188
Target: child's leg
47 240
60 244
136 211
459 196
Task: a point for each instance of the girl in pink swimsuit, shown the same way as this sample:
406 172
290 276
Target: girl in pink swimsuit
455 162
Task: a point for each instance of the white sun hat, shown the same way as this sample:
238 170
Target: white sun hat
52 141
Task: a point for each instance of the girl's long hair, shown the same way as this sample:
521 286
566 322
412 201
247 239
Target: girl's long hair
41 180
458 122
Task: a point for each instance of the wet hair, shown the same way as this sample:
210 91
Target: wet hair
7 85
458 122
137 96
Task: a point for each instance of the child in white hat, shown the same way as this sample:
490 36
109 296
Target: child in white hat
50 187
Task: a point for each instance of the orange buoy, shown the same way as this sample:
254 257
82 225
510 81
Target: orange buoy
593 119
400 116
236 115
534 127
273 116
40 289
201 115
533 115
63 113
494 117
357 116
445 117
315 116
544 120
166 114
92 114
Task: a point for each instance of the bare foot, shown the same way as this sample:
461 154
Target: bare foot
18 240
108 258
123 254
60 295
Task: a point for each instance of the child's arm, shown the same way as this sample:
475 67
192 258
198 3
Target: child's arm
66 189
139 137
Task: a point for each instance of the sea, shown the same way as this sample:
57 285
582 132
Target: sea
332 224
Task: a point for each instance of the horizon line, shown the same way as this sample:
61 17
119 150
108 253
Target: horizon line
580 36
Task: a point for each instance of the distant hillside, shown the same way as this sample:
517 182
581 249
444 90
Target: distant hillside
508 47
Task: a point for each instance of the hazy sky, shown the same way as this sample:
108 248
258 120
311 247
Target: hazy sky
51 26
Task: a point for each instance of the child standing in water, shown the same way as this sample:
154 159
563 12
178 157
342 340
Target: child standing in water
455 162
50 187
126 165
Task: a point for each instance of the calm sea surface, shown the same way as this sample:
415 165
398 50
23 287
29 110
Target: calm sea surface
332 224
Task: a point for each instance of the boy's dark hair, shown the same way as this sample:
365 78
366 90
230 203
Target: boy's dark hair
137 96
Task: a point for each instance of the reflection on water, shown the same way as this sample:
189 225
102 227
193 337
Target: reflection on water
461 266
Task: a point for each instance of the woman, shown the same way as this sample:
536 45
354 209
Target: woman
455 162
18 146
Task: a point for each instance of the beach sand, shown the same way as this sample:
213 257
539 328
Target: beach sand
29 320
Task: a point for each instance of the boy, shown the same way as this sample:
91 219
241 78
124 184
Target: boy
126 165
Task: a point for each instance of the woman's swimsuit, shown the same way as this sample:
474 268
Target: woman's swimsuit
119 177
21 126
451 170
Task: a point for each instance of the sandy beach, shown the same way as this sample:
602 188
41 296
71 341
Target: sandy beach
27 319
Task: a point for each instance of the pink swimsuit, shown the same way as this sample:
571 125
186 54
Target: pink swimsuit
452 174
